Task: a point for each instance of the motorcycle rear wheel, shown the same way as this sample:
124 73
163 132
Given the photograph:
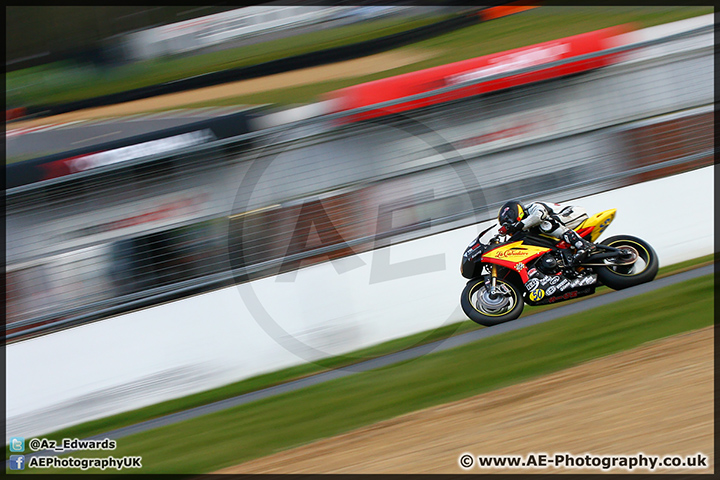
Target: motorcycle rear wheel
642 270
482 308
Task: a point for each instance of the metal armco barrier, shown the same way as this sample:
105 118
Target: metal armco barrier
121 151
130 234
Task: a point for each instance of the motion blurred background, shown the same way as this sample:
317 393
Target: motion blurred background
159 154
151 223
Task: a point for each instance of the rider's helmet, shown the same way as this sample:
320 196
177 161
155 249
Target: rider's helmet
511 213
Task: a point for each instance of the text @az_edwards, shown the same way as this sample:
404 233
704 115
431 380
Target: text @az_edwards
70 444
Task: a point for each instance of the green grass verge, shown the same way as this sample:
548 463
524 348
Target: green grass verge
256 383
530 27
261 428
61 82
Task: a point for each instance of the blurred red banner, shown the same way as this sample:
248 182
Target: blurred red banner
414 83
505 10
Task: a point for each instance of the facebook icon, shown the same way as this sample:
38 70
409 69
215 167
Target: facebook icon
17 462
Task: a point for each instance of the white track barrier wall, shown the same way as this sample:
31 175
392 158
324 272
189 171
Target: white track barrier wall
205 341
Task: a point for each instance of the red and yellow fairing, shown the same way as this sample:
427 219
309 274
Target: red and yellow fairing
514 256
517 255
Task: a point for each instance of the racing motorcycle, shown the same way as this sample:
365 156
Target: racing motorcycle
532 268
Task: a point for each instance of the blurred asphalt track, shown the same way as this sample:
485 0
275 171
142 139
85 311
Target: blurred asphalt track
70 136
405 355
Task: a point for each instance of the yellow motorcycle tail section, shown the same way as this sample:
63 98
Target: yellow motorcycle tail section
598 223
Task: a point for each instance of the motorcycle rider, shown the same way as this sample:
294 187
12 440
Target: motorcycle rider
552 219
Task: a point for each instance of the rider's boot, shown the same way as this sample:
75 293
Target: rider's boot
584 248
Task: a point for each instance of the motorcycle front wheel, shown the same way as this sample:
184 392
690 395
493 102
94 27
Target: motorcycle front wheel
486 309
